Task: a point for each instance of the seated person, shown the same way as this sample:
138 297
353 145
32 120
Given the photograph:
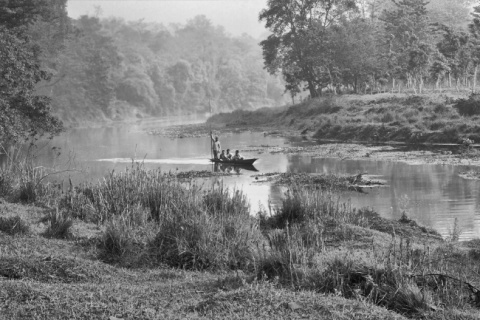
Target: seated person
229 155
223 157
237 155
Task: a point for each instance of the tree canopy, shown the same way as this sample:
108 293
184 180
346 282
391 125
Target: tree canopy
23 112
351 45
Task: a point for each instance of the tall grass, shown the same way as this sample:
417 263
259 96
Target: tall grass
23 181
196 228
315 242
13 225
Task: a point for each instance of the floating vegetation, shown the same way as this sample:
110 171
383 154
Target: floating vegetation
325 181
471 175
191 131
193 174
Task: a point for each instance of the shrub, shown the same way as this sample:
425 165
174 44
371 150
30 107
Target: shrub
219 233
303 205
13 225
59 225
7 181
469 107
117 240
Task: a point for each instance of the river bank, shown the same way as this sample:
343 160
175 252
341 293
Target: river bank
427 129
432 118
142 245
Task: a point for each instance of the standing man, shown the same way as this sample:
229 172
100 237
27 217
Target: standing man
216 146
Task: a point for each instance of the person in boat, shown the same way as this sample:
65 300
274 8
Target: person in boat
229 155
237 156
223 157
216 146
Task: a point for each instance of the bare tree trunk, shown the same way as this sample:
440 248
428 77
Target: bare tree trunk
475 79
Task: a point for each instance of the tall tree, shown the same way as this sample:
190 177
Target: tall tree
408 40
23 112
298 28
474 28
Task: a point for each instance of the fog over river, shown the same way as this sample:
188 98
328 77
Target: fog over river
433 195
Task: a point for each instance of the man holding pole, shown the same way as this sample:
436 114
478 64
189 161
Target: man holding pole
216 147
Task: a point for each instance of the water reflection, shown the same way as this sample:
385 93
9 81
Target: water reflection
232 168
434 195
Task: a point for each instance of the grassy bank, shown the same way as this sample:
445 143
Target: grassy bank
380 118
144 245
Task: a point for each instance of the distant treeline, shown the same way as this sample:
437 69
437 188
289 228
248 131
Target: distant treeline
93 69
110 68
372 45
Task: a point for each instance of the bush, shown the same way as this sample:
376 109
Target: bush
302 205
59 225
117 240
13 225
217 234
7 181
469 107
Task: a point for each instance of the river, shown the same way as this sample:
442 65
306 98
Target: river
433 195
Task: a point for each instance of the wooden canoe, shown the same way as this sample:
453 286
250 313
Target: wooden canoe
243 162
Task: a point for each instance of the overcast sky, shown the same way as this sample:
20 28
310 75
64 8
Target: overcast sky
237 16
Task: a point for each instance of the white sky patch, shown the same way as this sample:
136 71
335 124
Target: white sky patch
237 16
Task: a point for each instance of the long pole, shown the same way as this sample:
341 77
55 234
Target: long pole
211 141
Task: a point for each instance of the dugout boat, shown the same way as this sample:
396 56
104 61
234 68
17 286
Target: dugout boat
241 162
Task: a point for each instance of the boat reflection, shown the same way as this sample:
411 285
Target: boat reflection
230 168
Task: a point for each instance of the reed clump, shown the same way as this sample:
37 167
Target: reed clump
194 228
316 242
313 241
22 181
13 225
59 225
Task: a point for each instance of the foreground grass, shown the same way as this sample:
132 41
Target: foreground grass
62 279
143 245
415 119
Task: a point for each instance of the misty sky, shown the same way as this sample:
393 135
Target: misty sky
237 16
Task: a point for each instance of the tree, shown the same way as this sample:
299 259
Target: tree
474 28
408 41
21 13
296 43
456 48
454 14
22 113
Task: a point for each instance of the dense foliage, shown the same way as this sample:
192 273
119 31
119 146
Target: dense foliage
23 112
117 69
96 69
360 46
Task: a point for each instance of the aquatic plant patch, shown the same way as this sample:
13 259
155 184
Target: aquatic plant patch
323 181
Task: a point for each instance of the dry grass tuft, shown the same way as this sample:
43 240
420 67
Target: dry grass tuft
59 225
13 226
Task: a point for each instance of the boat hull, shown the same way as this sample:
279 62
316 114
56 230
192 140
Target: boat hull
244 162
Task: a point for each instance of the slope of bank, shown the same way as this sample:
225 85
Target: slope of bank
47 278
142 245
432 118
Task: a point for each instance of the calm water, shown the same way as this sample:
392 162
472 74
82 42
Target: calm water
431 194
